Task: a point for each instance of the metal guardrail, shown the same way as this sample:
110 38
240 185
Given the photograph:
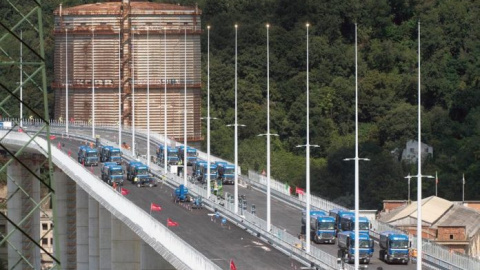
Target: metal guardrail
434 253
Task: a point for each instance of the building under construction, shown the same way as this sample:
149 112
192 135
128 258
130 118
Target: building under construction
119 50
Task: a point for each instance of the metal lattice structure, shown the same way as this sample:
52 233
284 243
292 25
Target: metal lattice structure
23 91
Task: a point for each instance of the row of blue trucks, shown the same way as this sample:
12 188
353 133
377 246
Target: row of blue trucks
90 156
339 226
175 154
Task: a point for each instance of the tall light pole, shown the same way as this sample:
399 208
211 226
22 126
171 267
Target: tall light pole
185 116
119 88
66 81
148 97
307 148
93 82
419 175
236 127
133 94
208 111
268 134
21 79
356 159
165 99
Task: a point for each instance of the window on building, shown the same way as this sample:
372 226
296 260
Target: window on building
51 241
51 226
44 241
185 23
451 236
44 226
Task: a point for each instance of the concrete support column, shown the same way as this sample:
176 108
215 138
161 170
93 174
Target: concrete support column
93 226
24 194
151 260
105 239
82 229
125 247
62 182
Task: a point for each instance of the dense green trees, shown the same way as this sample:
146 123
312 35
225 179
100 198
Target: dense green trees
387 90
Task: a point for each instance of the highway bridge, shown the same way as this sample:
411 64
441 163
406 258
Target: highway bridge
107 224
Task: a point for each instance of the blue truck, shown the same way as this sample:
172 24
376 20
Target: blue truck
394 247
322 227
112 173
204 172
180 194
226 172
87 155
191 154
338 214
346 247
348 223
110 154
196 172
140 176
172 154
128 168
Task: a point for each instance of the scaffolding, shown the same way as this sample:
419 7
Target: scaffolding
23 92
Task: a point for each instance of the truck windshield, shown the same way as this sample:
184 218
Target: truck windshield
363 225
142 172
172 154
399 244
115 154
326 225
191 154
117 172
91 154
229 171
212 171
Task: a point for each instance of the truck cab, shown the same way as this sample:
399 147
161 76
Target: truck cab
128 168
180 194
394 247
114 174
103 152
348 223
172 154
226 172
204 171
140 176
104 169
88 156
346 247
191 154
196 172
322 227
338 214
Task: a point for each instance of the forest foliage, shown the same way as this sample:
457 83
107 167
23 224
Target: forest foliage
387 87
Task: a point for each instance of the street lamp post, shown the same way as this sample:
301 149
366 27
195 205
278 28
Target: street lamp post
268 134
133 94
307 155
185 116
356 159
119 89
93 82
236 125
66 81
148 97
21 79
165 99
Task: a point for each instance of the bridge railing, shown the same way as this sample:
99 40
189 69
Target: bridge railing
432 250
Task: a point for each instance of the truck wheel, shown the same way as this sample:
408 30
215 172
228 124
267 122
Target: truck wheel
385 258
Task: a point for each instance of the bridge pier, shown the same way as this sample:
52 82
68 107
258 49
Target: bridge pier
93 227
82 229
105 238
65 226
24 194
125 247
